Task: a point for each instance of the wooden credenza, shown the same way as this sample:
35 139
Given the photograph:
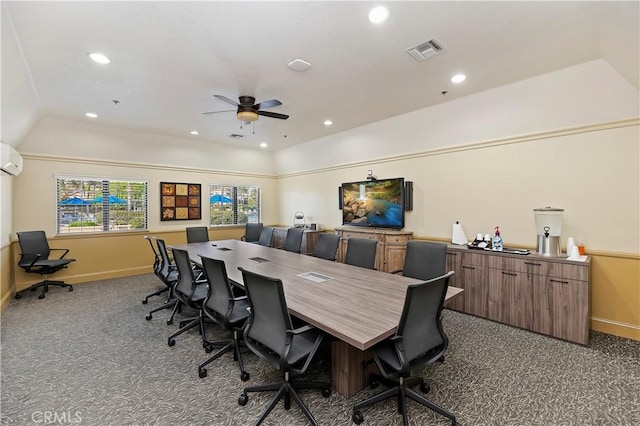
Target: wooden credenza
391 249
309 239
548 295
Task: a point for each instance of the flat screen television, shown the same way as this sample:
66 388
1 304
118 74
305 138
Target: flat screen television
374 203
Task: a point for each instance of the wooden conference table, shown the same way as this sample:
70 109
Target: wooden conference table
359 307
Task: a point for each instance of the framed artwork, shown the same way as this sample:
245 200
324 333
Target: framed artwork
179 201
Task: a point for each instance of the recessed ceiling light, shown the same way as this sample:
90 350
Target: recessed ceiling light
91 115
264 145
458 78
194 132
99 58
328 122
378 14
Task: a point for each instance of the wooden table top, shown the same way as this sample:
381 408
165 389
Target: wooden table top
358 306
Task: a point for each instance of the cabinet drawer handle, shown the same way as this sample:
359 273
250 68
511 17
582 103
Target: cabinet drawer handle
513 274
558 281
532 264
468 267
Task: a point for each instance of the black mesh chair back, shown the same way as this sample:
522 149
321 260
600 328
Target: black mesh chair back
294 239
197 234
186 284
327 246
35 258
167 272
157 262
270 335
252 232
225 310
361 252
269 318
419 340
266 236
425 260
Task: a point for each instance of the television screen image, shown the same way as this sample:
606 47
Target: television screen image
375 203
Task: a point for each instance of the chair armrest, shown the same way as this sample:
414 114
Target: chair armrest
237 299
27 256
301 330
59 249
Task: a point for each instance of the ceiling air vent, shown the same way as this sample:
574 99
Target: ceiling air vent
236 136
427 49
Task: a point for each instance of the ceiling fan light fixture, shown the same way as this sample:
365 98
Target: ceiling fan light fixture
247 115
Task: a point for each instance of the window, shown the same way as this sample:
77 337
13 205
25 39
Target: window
234 205
100 205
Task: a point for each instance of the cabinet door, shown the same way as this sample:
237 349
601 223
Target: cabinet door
454 264
571 310
279 235
510 298
393 257
476 289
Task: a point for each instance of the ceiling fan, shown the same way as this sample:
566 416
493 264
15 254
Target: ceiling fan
248 110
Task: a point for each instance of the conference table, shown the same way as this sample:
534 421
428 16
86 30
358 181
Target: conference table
359 307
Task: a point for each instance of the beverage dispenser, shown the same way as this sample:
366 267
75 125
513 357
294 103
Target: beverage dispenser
549 229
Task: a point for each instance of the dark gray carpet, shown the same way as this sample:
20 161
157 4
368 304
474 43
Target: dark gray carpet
89 357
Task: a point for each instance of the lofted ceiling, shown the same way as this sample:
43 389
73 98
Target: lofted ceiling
168 59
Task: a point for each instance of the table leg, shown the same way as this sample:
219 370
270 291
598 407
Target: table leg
348 373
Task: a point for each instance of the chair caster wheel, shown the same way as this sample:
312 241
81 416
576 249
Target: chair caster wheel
148 317
171 342
202 373
326 392
441 359
70 288
18 296
208 348
169 321
373 383
243 399
357 417
41 296
424 388
244 376
144 302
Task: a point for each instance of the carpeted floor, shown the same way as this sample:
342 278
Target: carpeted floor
89 357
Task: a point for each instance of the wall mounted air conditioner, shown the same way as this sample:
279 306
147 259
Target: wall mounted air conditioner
10 160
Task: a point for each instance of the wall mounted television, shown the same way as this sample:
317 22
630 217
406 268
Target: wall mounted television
374 203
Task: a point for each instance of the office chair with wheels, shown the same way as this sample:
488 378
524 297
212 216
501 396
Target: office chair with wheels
327 246
226 310
419 340
168 274
189 292
266 235
197 234
270 335
252 232
424 260
294 239
34 259
361 252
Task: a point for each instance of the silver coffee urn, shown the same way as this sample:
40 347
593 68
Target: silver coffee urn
549 228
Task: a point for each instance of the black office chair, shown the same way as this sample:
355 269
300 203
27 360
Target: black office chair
419 340
34 259
226 310
266 235
424 260
156 270
327 246
252 232
271 336
197 234
189 292
294 239
168 274
361 252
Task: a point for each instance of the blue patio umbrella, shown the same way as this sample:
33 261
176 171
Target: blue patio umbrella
217 198
75 201
112 200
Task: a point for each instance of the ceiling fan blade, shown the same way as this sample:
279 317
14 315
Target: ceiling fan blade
227 100
273 115
268 104
215 112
